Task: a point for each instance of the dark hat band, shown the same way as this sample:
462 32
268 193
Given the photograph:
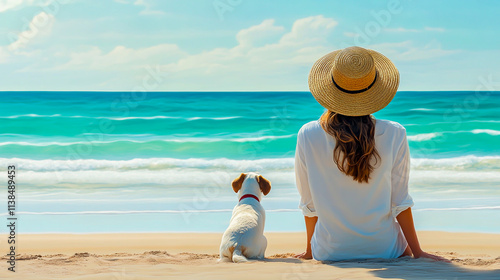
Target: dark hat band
356 91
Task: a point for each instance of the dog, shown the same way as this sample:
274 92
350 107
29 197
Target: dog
244 238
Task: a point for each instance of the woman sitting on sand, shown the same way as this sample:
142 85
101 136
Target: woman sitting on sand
352 169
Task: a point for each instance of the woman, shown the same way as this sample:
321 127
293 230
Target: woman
351 169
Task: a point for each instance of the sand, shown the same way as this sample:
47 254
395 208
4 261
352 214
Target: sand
194 256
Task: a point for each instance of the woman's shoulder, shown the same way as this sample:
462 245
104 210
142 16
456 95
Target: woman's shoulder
389 127
382 126
310 127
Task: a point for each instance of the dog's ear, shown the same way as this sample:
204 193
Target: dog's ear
238 182
265 185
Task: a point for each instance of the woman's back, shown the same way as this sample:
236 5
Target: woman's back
355 220
352 170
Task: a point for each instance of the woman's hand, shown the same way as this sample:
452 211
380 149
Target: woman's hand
307 255
423 254
310 225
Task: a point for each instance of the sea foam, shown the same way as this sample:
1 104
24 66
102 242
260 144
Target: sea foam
423 136
469 162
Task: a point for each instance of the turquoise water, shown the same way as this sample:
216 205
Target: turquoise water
150 162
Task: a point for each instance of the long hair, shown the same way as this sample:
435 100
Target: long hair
355 143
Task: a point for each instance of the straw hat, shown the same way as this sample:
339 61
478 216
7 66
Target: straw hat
354 81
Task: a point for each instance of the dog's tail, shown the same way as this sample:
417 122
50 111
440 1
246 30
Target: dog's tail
238 255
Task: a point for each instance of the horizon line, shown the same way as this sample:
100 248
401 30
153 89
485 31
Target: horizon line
5 91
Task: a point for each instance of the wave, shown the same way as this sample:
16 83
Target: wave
212 178
121 118
150 163
454 123
469 162
216 119
129 118
174 140
263 117
487 131
120 134
144 212
429 136
422 109
423 136
124 212
30 116
121 212
219 180
155 173
169 117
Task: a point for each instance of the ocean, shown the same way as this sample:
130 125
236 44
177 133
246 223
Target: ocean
164 161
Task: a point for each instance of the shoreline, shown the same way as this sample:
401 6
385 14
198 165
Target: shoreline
194 255
208 242
220 232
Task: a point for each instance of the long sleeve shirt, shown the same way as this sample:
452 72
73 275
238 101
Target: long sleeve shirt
355 220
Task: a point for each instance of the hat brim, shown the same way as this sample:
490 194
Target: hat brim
359 104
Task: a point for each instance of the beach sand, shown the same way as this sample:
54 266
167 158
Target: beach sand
194 256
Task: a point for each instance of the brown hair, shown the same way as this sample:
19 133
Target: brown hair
355 143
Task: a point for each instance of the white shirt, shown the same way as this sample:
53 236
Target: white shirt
355 220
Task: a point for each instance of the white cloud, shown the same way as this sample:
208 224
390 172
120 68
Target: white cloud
266 56
407 51
447 72
409 30
401 30
259 35
39 27
6 5
9 4
148 8
123 58
351 34
280 65
278 60
435 29
429 66
312 29
4 55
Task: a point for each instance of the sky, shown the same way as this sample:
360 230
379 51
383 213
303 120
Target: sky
240 45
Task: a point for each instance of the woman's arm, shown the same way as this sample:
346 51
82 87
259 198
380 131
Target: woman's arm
306 200
310 225
405 220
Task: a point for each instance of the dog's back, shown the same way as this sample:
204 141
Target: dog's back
244 233
244 238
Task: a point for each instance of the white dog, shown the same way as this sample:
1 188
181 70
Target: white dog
244 238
